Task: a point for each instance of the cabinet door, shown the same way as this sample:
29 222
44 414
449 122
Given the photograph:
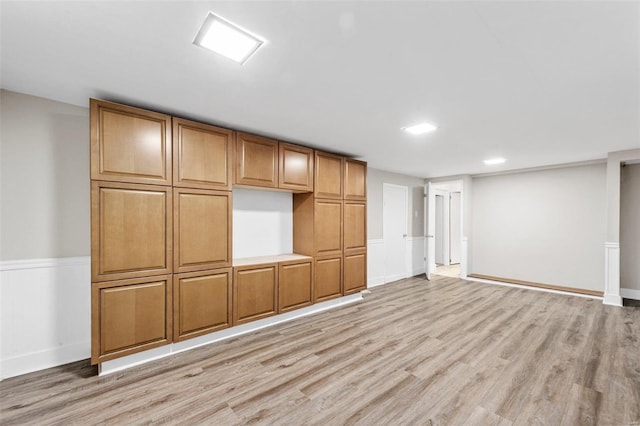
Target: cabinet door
256 161
202 229
355 180
130 144
328 278
295 285
328 227
129 316
131 234
201 303
355 272
201 155
296 168
355 225
328 170
255 292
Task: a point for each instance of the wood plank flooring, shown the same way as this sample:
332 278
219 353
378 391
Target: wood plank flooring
447 351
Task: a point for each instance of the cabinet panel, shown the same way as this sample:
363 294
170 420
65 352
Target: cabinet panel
202 155
328 227
355 225
355 272
129 316
355 180
201 303
295 285
129 144
202 229
328 278
328 171
130 230
255 292
296 168
256 161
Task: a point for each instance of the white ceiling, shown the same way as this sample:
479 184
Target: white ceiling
539 83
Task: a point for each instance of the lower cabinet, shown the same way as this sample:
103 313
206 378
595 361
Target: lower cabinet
129 316
328 278
355 272
255 292
295 285
201 303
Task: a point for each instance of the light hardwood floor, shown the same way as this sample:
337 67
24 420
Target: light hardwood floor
413 352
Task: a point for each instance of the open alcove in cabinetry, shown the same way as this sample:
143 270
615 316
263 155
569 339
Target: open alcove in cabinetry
183 244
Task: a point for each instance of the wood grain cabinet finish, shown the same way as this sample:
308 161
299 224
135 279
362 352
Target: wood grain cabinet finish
255 292
130 316
296 168
355 272
355 180
202 229
202 303
201 155
256 161
327 278
328 175
131 233
317 225
355 225
295 281
129 144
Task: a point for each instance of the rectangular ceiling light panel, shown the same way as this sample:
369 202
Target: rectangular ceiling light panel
227 39
419 129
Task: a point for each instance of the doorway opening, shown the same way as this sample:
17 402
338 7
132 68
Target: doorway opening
444 228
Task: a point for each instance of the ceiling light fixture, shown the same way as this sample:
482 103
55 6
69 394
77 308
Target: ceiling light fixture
494 161
227 39
419 129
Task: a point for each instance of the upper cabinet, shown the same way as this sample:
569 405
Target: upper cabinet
256 161
328 172
130 144
201 155
355 180
296 168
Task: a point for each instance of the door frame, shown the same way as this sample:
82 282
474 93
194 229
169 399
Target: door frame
387 277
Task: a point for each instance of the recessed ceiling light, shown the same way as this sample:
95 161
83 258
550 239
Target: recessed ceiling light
419 129
494 161
227 39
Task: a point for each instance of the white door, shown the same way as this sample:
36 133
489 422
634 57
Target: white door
429 229
439 231
455 227
394 230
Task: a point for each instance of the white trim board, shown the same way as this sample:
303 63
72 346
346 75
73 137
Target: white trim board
14 265
526 287
129 361
630 293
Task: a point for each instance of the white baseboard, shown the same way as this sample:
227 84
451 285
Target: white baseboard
630 293
129 361
45 313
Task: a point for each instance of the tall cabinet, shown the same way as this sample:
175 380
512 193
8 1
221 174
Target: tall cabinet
161 229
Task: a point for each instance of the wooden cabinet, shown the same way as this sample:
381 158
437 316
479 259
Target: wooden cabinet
328 278
355 180
255 292
129 144
355 272
130 316
295 280
296 168
201 155
202 229
201 303
355 225
317 225
256 161
131 234
328 175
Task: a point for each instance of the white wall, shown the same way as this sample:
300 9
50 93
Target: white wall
262 223
630 228
544 226
44 234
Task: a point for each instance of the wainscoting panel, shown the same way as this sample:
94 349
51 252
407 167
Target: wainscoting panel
414 261
45 313
612 274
